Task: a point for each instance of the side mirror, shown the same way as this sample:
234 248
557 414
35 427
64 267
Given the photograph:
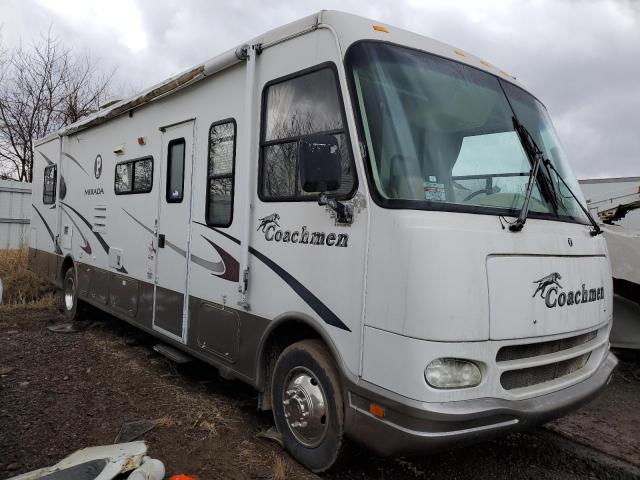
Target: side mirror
320 163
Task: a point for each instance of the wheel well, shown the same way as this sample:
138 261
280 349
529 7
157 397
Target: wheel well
67 263
284 334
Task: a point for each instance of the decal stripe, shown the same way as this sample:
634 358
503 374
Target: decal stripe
314 302
173 247
46 159
231 266
216 267
76 162
86 247
104 244
53 239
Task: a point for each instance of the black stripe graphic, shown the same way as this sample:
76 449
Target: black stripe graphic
86 247
310 299
53 239
104 244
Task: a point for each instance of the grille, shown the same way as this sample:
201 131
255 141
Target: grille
544 373
516 352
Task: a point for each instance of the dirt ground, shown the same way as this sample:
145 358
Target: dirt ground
60 392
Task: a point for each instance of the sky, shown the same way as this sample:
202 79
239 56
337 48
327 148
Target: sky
581 58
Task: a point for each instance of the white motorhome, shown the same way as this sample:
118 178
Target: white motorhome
334 213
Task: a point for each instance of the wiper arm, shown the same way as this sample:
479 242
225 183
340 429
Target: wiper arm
596 228
535 157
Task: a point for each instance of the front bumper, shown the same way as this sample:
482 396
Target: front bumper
411 426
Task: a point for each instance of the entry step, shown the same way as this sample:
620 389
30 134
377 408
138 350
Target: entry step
172 354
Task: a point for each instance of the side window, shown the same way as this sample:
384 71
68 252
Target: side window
134 176
175 171
49 187
220 172
293 108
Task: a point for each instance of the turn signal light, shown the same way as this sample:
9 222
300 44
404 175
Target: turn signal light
377 410
380 28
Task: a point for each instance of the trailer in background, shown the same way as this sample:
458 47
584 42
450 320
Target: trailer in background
15 214
616 202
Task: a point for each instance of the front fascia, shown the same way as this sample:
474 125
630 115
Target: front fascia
427 271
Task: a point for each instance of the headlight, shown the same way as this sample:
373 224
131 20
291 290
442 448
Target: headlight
452 373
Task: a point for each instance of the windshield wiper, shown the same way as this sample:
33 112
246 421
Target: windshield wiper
535 157
596 228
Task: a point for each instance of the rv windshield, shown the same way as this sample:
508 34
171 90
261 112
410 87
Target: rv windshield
439 135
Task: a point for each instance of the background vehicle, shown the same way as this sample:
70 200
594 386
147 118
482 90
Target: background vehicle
321 213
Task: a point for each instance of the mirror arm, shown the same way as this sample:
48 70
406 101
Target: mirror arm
344 212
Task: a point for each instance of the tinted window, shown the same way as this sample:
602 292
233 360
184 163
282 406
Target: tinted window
220 171
294 108
49 187
134 176
175 171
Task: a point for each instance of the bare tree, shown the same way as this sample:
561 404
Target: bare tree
42 88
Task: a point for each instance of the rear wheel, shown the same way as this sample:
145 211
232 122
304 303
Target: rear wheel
70 294
307 405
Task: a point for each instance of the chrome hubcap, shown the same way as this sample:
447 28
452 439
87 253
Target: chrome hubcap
69 293
305 407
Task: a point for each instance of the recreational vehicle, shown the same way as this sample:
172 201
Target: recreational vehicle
378 231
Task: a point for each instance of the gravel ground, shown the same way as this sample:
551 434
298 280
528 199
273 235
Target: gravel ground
62 392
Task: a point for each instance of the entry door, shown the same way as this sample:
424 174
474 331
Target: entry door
173 232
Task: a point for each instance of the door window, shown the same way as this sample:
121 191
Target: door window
175 171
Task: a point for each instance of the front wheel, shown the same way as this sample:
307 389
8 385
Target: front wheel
307 405
70 294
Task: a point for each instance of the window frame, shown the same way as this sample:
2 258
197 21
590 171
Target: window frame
55 185
266 143
231 175
133 174
171 143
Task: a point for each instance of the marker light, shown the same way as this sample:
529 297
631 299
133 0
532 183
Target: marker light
380 28
452 373
377 410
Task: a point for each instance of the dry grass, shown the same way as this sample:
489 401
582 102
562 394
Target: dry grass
279 471
22 289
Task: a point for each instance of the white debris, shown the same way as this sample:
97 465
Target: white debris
151 469
113 460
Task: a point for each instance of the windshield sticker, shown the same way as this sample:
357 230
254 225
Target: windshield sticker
434 191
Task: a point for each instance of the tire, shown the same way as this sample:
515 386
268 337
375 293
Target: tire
70 295
306 377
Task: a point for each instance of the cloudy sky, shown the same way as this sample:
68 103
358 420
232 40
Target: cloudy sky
580 57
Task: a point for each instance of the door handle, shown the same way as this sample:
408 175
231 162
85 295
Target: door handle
161 240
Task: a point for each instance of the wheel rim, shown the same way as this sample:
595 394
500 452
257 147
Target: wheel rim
69 293
305 407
